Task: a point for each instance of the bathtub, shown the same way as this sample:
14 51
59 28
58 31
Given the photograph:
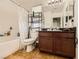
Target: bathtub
8 46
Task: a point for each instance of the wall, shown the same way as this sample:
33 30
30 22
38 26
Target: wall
8 17
23 24
76 13
48 19
76 24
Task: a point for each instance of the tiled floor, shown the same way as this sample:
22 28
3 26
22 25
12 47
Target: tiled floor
36 54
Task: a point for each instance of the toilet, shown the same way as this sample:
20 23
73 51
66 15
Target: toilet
29 43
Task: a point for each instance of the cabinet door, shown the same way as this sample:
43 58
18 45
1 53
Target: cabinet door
68 47
45 43
58 45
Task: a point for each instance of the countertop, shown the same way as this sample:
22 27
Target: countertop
57 31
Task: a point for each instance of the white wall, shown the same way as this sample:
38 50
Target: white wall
76 24
23 22
16 17
8 17
76 13
23 25
48 19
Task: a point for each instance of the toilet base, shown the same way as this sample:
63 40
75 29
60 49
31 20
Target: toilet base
30 48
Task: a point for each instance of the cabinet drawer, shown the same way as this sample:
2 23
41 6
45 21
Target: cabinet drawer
45 34
68 35
56 35
63 35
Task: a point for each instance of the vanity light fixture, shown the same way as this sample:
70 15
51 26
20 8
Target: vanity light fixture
54 2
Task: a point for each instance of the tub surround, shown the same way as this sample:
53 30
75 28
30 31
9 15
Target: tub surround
7 38
9 46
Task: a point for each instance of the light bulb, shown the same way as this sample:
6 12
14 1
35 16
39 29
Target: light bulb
49 1
56 0
53 0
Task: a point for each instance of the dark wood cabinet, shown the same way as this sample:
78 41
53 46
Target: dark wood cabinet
46 45
62 43
58 45
68 47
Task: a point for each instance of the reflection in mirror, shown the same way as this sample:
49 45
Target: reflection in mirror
66 19
70 17
56 22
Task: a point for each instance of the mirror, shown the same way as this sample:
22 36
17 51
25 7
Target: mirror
65 11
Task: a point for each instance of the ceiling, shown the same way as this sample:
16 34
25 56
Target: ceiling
28 4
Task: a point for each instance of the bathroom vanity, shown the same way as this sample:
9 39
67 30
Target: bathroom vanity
57 42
